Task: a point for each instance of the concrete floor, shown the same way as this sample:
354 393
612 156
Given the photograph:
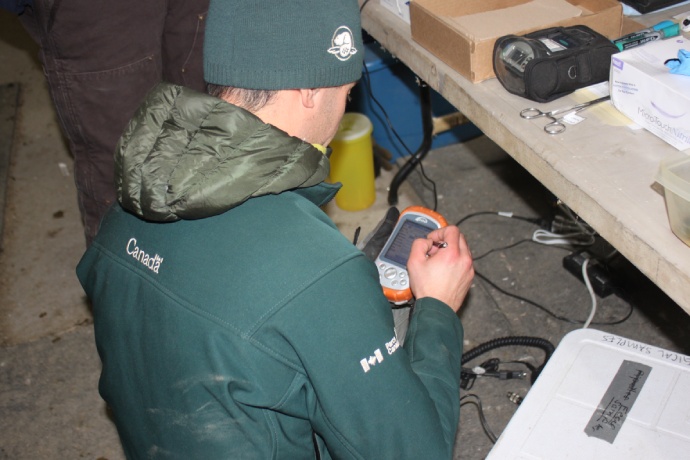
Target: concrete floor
478 176
48 364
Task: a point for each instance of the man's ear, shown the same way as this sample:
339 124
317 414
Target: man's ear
308 97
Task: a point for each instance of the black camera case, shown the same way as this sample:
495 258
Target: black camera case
547 74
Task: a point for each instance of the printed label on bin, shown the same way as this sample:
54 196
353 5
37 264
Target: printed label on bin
618 400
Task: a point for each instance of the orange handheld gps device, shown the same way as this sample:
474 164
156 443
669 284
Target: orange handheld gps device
414 222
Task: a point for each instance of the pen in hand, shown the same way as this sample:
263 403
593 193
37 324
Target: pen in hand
438 244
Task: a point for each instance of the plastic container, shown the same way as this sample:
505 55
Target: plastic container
352 163
602 396
674 175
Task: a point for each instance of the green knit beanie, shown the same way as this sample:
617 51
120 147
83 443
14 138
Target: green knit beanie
283 44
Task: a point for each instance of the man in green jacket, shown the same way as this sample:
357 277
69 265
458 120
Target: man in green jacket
232 318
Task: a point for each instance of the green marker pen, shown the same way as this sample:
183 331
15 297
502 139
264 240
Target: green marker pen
642 38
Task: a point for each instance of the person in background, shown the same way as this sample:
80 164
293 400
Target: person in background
15 6
232 318
100 59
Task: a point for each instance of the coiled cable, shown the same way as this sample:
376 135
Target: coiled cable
534 342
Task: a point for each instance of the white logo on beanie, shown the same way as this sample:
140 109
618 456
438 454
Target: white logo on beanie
343 43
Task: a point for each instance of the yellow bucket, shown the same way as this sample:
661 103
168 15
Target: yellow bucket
352 163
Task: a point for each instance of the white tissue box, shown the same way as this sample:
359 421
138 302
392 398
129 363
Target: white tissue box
643 89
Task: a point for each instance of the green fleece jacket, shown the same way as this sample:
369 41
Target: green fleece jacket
232 318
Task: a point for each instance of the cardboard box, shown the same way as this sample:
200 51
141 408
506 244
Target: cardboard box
643 89
400 8
462 33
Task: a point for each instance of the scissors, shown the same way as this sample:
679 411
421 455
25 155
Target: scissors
556 126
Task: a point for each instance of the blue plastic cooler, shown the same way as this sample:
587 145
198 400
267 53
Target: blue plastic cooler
394 86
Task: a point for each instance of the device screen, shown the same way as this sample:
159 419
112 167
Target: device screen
399 250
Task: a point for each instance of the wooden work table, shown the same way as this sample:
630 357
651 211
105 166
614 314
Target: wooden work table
605 173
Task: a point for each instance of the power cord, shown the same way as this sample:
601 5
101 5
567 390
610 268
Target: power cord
370 93
581 234
525 341
588 283
546 237
576 234
413 157
491 368
473 399
506 214
510 246
552 314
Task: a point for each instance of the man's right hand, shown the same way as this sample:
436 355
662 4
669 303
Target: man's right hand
442 273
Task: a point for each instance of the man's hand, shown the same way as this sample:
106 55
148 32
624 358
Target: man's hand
442 273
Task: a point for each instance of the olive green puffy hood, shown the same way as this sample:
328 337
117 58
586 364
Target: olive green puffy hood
188 155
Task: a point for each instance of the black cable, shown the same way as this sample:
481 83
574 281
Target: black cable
355 238
584 226
524 299
485 425
623 295
490 368
540 222
367 81
524 363
534 342
534 220
493 300
395 133
552 314
433 184
474 214
510 246
367 84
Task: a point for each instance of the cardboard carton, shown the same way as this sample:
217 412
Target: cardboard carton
462 33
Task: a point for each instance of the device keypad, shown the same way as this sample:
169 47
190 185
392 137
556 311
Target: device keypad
396 278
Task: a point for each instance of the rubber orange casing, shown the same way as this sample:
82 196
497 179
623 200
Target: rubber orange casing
402 296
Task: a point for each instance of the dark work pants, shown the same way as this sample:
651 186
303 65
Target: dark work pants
100 59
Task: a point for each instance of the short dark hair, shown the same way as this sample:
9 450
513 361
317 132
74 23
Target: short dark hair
249 99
